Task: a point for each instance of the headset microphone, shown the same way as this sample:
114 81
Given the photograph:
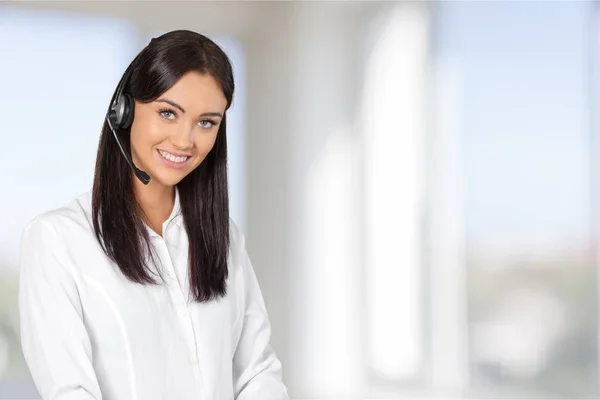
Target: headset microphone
120 116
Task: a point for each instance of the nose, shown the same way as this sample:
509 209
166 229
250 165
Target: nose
183 138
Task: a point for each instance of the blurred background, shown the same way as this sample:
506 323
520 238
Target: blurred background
417 181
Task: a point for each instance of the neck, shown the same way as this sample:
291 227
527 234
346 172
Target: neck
156 202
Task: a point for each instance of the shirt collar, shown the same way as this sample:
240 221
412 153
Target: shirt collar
175 217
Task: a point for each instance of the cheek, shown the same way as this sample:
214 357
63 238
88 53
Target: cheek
136 138
145 133
205 143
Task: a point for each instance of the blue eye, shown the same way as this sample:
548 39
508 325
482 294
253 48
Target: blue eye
210 123
167 113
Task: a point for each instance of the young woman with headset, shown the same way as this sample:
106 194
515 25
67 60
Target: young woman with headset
142 289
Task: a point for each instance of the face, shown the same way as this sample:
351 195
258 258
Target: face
172 135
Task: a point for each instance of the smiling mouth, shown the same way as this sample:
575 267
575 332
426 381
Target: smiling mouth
172 158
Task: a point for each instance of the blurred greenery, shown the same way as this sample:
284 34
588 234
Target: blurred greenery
572 369
9 325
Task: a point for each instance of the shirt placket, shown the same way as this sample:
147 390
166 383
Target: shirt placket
179 301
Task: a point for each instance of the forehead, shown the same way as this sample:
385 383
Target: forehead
197 92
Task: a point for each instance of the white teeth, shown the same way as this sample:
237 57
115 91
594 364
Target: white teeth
171 157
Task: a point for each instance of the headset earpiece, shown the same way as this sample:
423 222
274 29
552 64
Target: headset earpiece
128 109
121 113
121 110
120 116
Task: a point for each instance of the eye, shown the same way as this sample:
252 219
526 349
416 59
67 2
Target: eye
207 123
167 113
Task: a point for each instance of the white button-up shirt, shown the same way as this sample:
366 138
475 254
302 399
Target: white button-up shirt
89 333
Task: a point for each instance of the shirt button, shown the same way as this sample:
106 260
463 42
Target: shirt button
193 360
183 313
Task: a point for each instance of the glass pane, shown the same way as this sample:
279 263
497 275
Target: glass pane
48 57
532 291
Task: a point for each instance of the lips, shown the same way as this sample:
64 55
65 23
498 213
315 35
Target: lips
173 161
174 153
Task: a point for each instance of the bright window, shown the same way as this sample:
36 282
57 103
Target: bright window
58 73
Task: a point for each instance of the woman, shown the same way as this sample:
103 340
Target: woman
142 288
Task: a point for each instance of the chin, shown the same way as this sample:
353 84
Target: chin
169 181
164 176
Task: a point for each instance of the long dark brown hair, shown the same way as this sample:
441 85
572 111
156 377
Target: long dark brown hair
203 193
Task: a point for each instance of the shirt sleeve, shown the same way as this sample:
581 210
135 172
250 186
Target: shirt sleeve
257 370
55 343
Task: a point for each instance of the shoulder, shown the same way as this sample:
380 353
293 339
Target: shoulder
59 224
236 236
237 242
238 253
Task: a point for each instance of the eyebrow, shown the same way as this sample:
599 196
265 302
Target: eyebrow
172 103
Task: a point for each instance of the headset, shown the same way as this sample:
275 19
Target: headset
120 116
